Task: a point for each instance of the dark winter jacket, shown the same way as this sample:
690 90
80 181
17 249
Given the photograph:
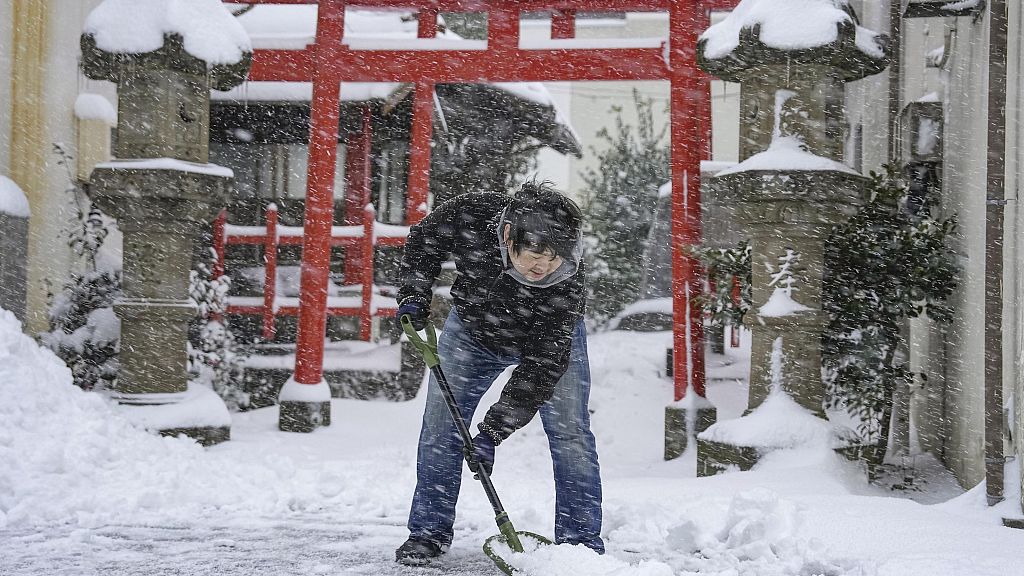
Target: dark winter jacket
501 313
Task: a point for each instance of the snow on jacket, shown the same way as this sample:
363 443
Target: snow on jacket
500 310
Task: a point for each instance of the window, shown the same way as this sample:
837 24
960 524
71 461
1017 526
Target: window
390 196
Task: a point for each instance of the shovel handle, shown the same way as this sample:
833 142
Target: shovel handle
428 347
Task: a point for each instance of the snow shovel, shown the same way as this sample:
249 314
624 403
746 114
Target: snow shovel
508 538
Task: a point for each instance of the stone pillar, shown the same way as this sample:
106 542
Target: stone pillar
14 215
790 190
163 193
790 212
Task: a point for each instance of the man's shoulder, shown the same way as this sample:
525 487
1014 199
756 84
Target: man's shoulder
471 210
486 201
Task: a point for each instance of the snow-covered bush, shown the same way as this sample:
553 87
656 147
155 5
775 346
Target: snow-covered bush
215 357
84 332
891 261
726 269
619 202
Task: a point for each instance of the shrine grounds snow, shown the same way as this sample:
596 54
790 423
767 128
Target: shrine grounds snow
83 492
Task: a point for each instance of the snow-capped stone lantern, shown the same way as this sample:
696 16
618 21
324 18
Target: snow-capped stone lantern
792 59
165 57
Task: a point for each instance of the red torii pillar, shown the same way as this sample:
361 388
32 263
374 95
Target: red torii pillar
305 399
690 101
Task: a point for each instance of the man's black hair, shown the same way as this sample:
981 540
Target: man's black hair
540 218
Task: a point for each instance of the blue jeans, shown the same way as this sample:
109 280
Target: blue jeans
470 370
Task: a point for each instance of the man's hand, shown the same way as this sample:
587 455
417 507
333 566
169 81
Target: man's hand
417 310
483 451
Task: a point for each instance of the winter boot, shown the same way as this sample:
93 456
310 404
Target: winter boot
417 552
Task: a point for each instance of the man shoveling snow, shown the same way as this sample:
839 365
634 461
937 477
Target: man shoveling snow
518 300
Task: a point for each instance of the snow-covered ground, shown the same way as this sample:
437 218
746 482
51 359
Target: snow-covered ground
82 492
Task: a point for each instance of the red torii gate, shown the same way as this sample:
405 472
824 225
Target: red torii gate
327 63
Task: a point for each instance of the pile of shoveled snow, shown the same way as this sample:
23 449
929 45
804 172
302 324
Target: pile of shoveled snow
70 456
760 535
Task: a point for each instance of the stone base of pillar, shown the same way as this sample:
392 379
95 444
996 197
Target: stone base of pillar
1017 523
683 423
198 413
779 423
717 457
304 407
13 256
207 436
303 416
154 357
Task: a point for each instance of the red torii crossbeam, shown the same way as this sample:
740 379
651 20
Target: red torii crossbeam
328 62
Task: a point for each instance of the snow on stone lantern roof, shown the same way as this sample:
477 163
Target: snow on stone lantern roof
209 31
758 32
194 36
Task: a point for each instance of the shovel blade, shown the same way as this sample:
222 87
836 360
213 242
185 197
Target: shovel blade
500 550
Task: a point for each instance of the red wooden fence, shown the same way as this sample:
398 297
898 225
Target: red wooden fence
362 237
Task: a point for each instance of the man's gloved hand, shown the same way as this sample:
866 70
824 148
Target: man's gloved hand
483 450
417 310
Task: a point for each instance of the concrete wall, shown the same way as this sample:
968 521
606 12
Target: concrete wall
949 412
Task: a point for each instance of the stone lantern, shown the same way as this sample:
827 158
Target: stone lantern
789 191
163 193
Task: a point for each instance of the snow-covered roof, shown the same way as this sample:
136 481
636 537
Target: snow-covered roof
208 30
293 27
95 107
12 200
264 91
785 24
787 153
790 26
779 422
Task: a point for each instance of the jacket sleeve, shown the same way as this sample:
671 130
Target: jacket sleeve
426 248
533 381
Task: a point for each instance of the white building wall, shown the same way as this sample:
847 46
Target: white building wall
1015 226
964 184
50 260
49 257
6 39
592 101
921 80
921 36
